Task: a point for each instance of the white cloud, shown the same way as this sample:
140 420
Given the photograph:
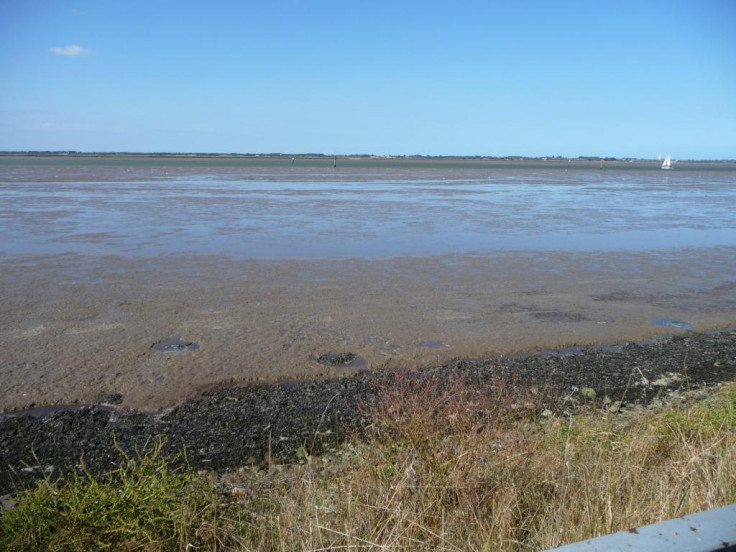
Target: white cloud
72 50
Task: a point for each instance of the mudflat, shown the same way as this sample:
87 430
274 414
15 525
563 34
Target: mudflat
78 328
154 279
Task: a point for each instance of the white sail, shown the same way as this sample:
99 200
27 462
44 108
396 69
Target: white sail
667 163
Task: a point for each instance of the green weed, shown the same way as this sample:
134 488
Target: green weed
143 505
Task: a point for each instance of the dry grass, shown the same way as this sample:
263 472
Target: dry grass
470 465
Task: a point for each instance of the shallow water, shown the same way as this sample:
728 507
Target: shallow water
142 209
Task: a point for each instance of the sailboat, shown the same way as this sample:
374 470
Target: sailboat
667 164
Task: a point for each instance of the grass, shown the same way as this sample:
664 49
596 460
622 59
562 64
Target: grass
143 505
450 464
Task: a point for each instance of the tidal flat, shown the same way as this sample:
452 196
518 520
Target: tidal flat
77 329
156 279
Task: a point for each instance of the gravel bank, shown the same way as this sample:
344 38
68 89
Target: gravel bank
232 427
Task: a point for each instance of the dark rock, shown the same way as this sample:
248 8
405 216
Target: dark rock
174 345
111 398
336 359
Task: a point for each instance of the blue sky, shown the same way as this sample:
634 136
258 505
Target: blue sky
453 78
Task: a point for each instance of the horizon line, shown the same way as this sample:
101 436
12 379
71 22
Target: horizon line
345 155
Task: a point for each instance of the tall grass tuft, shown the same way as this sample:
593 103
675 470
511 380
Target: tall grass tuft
142 505
468 465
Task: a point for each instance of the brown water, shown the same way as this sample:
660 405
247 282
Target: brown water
267 268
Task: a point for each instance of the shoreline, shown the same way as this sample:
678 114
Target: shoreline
78 329
358 161
112 402
232 427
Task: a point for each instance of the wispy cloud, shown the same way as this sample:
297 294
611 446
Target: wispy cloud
72 51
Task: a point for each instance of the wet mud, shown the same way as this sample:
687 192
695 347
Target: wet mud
672 323
337 359
174 345
158 331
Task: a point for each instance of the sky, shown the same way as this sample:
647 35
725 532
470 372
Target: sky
623 78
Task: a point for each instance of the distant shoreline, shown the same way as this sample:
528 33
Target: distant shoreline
386 161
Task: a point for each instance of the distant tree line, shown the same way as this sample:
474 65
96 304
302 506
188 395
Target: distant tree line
594 158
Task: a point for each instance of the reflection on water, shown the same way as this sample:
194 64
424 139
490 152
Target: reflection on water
672 323
285 211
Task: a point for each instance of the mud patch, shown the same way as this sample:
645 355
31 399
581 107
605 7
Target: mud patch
431 345
174 346
515 308
615 296
728 286
673 323
110 399
558 316
547 315
342 360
